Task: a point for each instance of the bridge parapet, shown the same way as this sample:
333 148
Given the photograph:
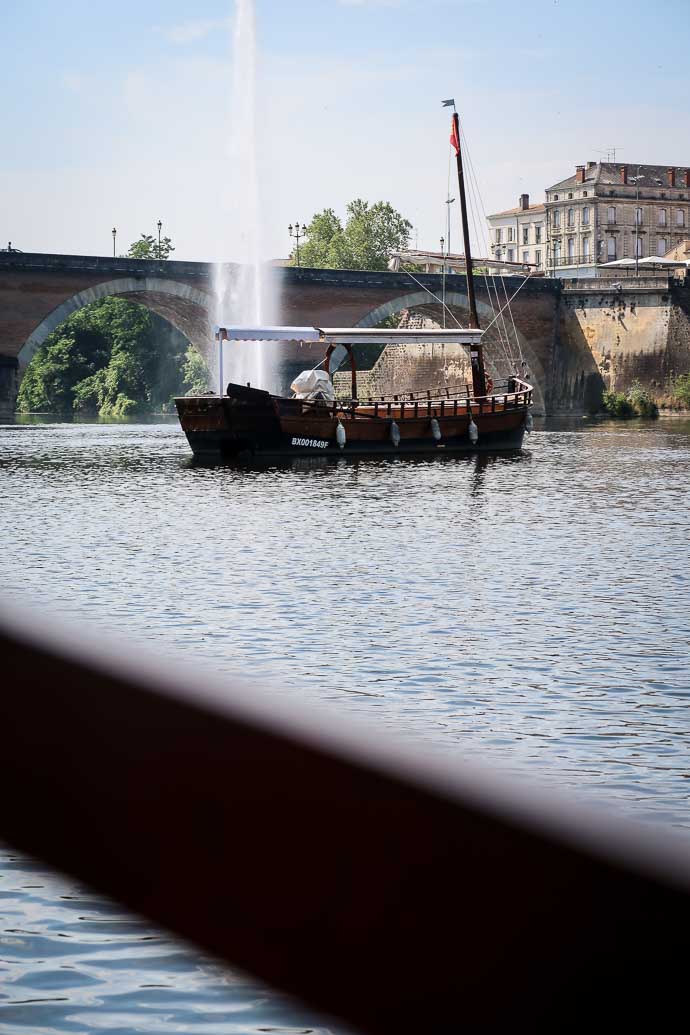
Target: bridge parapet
103 264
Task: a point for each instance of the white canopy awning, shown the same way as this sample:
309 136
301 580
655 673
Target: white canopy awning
661 260
270 333
354 335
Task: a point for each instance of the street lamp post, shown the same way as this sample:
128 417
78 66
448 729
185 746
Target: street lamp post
443 280
296 231
114 236
160 227
449 202
636 181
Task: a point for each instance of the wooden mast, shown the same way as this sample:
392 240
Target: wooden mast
476 351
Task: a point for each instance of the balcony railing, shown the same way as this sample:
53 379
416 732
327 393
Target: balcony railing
401 892
571 260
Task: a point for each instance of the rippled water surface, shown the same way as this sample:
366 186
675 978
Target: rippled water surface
531 609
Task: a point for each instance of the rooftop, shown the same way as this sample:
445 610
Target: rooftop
630 174
533 209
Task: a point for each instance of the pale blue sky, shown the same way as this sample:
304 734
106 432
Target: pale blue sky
115 114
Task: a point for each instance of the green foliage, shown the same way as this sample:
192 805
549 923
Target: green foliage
636 402
112 358
642 402
370 234
681 390
196 376
147 248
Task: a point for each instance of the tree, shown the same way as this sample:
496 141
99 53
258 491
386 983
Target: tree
370 234
196 376
147 248
324 227
113 358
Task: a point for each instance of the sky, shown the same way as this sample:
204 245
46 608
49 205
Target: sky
119 114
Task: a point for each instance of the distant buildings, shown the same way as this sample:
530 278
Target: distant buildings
605 211
519 234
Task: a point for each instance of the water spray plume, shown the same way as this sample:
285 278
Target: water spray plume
242 293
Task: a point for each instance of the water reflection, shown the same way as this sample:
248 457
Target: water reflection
530 609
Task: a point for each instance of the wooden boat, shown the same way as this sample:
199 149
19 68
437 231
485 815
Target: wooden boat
462 418
247 422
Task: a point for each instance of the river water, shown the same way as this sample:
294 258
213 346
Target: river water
530 610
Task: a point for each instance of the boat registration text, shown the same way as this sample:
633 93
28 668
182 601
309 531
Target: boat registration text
315 443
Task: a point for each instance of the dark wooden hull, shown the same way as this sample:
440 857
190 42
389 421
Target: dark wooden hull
252 423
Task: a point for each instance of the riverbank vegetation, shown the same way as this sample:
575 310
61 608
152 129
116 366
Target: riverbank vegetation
680 392
112 358
364 242
636 402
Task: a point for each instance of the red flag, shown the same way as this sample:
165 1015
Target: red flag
454 137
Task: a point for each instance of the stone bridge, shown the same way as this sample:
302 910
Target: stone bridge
38 291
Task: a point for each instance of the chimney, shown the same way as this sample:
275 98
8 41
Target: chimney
524 202
579 174
624 174
671 177
590 165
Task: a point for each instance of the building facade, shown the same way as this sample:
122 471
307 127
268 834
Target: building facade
608 211
518 235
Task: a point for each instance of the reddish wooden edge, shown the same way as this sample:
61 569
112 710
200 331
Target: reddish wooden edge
404 894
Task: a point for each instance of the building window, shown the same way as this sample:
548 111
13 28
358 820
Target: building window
585 216
557 251
525 256
557 217
638 216
570 196
585 194
555 197
525 235
537 234
661 248
611 249
611 214
639 242
662 217
499 237
537 258
510 255
585 248
571 249
510 233
571 217
680 217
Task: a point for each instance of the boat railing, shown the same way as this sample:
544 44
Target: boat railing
451 400
398 890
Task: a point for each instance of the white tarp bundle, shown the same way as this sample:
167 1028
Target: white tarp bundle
313 384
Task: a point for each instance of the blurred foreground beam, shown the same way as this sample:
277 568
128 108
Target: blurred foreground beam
404 894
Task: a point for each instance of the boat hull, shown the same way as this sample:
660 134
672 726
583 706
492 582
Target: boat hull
252 423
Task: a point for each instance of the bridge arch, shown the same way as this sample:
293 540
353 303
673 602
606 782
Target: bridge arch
185 307
416 299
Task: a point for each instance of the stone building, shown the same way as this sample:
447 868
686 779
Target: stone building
607 211
519 234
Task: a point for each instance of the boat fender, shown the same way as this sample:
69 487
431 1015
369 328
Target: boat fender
395 434
340 436
473 431
435 429
529 423
489 385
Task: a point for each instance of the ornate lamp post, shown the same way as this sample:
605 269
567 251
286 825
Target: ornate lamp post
114 236
297 231
160 227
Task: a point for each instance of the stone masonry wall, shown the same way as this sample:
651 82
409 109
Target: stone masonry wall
408 368
637 333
